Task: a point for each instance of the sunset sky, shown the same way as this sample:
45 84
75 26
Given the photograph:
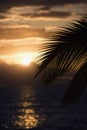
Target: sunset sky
24 24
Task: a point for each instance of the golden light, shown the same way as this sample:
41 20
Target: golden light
28 119
27 116
25 59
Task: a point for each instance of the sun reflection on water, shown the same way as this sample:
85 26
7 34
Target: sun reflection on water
27 120
27 115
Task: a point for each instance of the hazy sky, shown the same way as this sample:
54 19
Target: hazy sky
25 23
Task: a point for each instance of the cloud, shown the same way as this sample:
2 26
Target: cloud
7 4
37 16
2 16
49 14
10 49
22 32
14 46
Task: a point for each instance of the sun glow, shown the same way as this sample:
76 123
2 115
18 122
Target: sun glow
20 58
25 59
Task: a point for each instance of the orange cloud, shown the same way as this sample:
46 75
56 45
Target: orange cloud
14 46
17 33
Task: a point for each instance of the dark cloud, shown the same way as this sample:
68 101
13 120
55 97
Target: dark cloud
50 14
7 4
2 16
44 8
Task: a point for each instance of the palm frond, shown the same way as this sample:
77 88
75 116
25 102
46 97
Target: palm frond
76 87
64 50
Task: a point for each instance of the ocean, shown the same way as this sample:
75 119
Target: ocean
39 108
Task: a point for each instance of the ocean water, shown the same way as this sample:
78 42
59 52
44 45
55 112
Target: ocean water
26 107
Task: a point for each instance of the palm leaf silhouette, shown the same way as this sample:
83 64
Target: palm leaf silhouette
66 50
77 86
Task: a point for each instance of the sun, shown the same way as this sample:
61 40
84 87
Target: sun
25 59
22 58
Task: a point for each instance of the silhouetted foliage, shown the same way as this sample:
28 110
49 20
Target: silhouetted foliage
66 50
